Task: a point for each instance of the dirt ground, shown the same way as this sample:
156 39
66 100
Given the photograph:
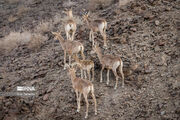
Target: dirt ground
143 32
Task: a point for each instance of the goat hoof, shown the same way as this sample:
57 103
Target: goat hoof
96 113
105 46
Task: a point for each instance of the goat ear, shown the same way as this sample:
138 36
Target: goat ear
59 32
73 64
53 33
65 9
88 13
66 65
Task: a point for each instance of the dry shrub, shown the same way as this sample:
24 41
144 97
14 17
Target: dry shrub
22 9
12 18
78 20
36 41
44 27
57 18
93 4
14 39
12 1
124 2
68 3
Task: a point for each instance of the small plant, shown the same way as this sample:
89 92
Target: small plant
22 9
14 39
36 41
12 18
94 4
44 27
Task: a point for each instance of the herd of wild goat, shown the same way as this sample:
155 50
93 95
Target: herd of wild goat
80 85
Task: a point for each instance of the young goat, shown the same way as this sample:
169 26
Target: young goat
84 65
70 47
70 25
110 62
82 86
95 26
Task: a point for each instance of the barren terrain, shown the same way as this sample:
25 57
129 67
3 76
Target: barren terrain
143 32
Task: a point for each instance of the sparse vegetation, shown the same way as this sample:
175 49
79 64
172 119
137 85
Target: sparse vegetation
44 27
22 9
94 4
124 2
14 39
12 1
12 18
36 41
57 18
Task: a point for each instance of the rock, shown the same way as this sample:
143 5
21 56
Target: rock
157 48
167 9
123 40
133 29
160 43
163 112
148 16
92 52
134 67
138 10
45 97
8 103
157 22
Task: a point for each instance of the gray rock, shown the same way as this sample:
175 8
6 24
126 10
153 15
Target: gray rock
157 22
163 112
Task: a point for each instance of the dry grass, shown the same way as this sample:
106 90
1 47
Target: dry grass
36 41
57 18
94 4
12 18
124 2
12 1
22 9
68 3
14 39
44 27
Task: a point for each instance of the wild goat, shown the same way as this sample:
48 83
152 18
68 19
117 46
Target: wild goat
84 65
110 62
95 26
70 25
82 86
70 47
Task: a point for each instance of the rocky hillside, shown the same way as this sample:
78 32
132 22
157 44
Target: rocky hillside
144 33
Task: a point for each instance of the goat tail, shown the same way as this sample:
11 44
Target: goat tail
105 26
121 71
82 52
